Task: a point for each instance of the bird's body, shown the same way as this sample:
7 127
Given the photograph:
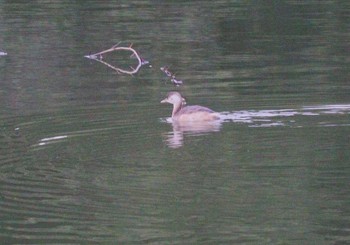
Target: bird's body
182 113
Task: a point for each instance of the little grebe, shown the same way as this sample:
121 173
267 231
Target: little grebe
188 113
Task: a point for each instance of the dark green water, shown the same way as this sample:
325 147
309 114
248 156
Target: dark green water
87 155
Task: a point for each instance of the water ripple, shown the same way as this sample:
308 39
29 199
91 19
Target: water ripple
286 117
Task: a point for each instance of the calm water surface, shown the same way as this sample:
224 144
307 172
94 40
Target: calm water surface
88 156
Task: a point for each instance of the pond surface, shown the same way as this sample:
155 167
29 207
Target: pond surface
88 156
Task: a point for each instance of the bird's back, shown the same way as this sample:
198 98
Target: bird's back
196 113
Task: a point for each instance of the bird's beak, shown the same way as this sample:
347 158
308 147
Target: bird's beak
164 101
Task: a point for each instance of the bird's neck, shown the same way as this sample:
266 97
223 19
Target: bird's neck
176 108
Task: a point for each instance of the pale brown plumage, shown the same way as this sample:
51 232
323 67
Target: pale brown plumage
188 113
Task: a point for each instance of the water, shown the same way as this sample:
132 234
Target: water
88 156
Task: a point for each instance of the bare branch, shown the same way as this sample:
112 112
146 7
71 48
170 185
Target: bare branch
98 57
168 73
116 45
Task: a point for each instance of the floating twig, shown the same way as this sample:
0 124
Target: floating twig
165 69
99 58
173 79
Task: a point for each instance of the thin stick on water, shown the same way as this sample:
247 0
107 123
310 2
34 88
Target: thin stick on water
173 79
99 58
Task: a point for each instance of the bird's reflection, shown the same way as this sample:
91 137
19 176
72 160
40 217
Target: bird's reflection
257 118
175 138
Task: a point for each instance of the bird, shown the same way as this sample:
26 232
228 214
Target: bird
183 113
